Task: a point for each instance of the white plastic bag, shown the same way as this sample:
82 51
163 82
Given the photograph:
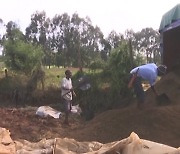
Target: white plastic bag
45 111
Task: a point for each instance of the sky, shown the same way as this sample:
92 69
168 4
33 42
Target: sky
117 15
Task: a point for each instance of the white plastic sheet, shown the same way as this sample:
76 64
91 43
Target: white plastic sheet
76 109
45 111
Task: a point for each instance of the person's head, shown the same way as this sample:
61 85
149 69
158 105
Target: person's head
162 70
68 74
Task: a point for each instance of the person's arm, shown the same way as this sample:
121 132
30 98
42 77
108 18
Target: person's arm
153 89
134 75
131 81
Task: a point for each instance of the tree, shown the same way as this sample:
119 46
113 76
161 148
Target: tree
86 40
76 38
61 37
19 54
38 33
118 70
22 56
130 37
111 42
114 39
147 43
13 32
2 26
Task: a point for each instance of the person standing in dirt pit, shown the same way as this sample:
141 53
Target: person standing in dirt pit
148 72
67 94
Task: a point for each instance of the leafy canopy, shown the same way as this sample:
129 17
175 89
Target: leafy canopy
22 56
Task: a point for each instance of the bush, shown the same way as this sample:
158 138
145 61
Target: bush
21 56
118 72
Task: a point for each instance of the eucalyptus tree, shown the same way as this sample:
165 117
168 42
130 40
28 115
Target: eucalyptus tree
106 49
13 32
38 29
38 33
75 39
147 43
61 37
2 27
86 40
114 39
129 36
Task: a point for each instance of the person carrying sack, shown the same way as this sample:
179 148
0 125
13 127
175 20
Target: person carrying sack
148 72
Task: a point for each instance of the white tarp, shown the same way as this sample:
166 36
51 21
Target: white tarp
76 109
45 111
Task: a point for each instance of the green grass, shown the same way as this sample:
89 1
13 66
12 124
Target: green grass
51 93
51 79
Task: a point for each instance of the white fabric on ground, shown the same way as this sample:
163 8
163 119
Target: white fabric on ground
45 111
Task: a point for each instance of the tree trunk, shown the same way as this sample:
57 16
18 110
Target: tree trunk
79 60
131 54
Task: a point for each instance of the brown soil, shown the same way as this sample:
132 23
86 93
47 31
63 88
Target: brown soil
156 123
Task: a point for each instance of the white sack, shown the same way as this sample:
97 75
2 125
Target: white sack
45 111
76 109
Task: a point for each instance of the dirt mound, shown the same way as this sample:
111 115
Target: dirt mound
155 123
170 85
23 123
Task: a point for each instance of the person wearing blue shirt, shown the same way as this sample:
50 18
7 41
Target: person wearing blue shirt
148 72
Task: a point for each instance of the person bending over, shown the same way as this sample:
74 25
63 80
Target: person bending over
148 72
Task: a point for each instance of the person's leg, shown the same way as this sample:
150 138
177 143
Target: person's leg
139 92
67 107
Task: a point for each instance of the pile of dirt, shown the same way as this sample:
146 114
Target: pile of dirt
23 123
155 123
170 85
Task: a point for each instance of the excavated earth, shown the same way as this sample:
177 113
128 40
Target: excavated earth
155 123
